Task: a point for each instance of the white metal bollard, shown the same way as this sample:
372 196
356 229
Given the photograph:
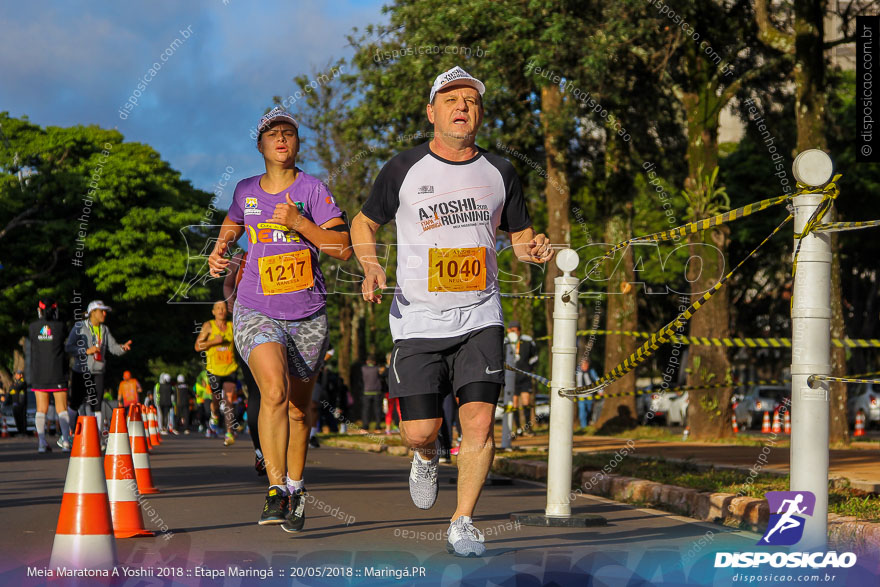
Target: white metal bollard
565 315
811 352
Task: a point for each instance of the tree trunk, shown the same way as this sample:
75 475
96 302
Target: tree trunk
522 307
556 191
619 412
344 351
709 411
838 431
358 312
809 73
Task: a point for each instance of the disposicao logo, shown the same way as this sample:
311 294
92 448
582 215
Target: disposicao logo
786 528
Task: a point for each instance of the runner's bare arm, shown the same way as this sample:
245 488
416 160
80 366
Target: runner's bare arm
202 342
230 232
531 247
363 239
335 243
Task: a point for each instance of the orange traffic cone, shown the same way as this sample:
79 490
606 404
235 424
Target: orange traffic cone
154 427
128 520
735 426
4 431
777 425
156 424
139 454
860 424
84 536
765 425
142 412
787 422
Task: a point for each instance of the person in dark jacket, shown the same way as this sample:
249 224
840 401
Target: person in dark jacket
526 358
181 409
47 372
164 401
18 399
88 342
371 406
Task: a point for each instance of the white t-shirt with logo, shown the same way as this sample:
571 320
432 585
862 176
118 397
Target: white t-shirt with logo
447 214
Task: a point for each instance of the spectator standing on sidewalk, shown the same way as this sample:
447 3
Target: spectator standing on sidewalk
526 358
371 399
88 342
585 375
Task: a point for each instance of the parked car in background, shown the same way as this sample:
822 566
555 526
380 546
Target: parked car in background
864 398
6 412
757 400
668 407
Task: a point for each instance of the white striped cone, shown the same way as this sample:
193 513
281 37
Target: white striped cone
84 536
128 520
139 453
153 426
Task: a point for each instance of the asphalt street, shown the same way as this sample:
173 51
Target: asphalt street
361 527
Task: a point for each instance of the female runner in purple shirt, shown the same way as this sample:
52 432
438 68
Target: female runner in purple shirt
279 318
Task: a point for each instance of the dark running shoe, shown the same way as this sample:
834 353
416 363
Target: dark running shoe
275 508
296 512
313 442
260 466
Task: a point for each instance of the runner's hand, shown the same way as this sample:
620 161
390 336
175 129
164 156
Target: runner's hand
287 214
374 278
540 250
92 350
217 263
127 346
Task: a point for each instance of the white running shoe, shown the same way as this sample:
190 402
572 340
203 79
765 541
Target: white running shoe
463 539
64 444
423 486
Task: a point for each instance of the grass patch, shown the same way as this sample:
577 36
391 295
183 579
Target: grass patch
664 434
841 500
388 440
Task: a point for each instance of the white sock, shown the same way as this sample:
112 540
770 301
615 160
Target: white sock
64 423
259 453
293 486
40 422
312 432
281 488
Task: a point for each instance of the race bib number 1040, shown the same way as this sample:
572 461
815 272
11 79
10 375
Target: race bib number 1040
457 269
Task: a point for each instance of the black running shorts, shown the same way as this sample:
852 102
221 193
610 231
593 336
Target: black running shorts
443 365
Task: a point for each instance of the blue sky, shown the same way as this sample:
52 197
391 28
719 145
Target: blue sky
79 62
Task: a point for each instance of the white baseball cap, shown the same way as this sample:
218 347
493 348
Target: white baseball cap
274 115
458 76
96 305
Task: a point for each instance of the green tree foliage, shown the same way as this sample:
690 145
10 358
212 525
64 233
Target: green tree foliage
85 215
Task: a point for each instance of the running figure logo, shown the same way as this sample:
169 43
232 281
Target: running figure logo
785 526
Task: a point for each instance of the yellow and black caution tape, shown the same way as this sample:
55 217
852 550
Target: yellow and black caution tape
866 375
829 194
691 227
544 296
732 341
854 379
662 336
542 380
841 226
688 388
